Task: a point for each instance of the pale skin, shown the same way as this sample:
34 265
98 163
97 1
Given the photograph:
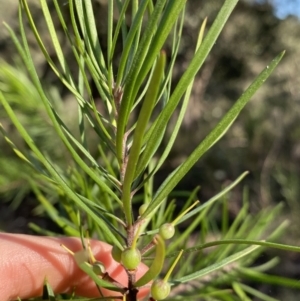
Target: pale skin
26 261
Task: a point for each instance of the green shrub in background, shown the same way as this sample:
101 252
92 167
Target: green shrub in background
104 187
24 99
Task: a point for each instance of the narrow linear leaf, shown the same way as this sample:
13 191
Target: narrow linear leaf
181 112
127 100
110 20
13 146
142 123
256 293
56 176
25 54
174 178
86 16
64 223
130 38
240 292
120 23
53 35
188 76
48 293
164 96
157 263
270 279
241 242
215 266
207 204
67 81
168 19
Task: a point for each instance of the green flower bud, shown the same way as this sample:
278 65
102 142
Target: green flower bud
143 208
160 289
98 268
131 258
167 231
116 253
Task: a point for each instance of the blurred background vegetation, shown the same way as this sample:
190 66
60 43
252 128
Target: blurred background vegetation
265 139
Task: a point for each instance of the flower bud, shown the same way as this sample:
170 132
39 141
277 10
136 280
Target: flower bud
167 231
143 208
116 253
131 258
98 268
160 289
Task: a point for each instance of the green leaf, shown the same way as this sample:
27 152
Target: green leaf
13 146
68 82
134 28
151 149
48 293
86 19
110 20
256 293
54 38
221 128
53 213
143 119
120 23
188 76
167 21
270 279
127 100
55 175
216 266
240 242
182 111
157 263
25 54
201 209
240 292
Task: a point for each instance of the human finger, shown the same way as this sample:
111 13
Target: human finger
26 261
